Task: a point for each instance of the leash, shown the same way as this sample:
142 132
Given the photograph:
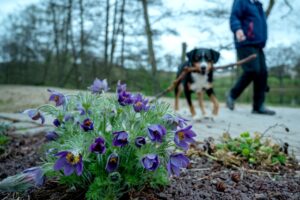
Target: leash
187 70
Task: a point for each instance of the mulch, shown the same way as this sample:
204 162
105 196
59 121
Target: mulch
205 179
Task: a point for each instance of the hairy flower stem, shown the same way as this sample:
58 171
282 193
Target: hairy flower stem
45 106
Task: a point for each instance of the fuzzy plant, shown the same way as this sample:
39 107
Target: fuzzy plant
108 144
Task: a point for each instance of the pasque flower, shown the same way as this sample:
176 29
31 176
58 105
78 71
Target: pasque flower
57 97
175 121
98 146
125 98
68 117
150 162
140 104
120 139
56 122
69 162
140 141
82 110
51 135
35 175
87 125
99 86
35 115
156 132
184 136
32 177
176 162
121 87
112 163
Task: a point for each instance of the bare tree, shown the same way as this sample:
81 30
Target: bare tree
151 52
106 39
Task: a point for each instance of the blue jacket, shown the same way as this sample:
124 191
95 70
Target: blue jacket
250 17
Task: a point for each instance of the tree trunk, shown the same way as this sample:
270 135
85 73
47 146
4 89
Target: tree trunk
75 57
122 21
106 34
183 53
114 33
270 7
151 53
81 32
56 44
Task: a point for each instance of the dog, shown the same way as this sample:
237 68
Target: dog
198 82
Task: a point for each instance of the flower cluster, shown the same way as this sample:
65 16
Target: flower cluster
99 139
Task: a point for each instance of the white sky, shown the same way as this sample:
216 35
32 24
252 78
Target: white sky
282 32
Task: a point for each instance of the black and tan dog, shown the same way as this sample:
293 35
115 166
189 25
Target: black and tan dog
198 82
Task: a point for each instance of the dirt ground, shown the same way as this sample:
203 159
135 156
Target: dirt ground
16 98
204 179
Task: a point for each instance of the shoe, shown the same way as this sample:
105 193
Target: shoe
230 102
264 111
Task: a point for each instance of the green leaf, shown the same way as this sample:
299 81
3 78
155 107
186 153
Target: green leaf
245 135
246 152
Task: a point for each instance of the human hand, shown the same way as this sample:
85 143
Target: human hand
240 36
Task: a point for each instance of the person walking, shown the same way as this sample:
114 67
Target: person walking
249 26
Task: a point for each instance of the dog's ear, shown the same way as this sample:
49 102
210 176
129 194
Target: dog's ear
215 55
190 55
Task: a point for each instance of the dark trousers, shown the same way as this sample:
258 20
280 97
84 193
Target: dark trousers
256 71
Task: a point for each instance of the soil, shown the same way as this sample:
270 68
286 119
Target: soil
204 179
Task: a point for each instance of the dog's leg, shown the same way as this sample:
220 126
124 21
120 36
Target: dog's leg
215 102
201 103
188 96
192 110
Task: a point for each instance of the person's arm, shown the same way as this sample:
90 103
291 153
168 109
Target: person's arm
235 19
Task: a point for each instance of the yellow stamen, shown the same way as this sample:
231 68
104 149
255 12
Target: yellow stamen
113 160
56 98
72 159
181 135
87 123
138 104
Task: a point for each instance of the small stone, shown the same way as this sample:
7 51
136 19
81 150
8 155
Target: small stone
260 197
244 196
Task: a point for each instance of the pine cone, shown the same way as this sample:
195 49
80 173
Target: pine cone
221 186
236 177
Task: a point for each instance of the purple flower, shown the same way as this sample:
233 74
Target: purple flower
32 177
99 86
112 162
177 161
35 115
150 162
156 132
69 163
175 121
35 175
57 97
51 135
68 117
120 139
140 104
121 87
98 146
82 110
184 136
56 123
140 141
87 125
125 98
